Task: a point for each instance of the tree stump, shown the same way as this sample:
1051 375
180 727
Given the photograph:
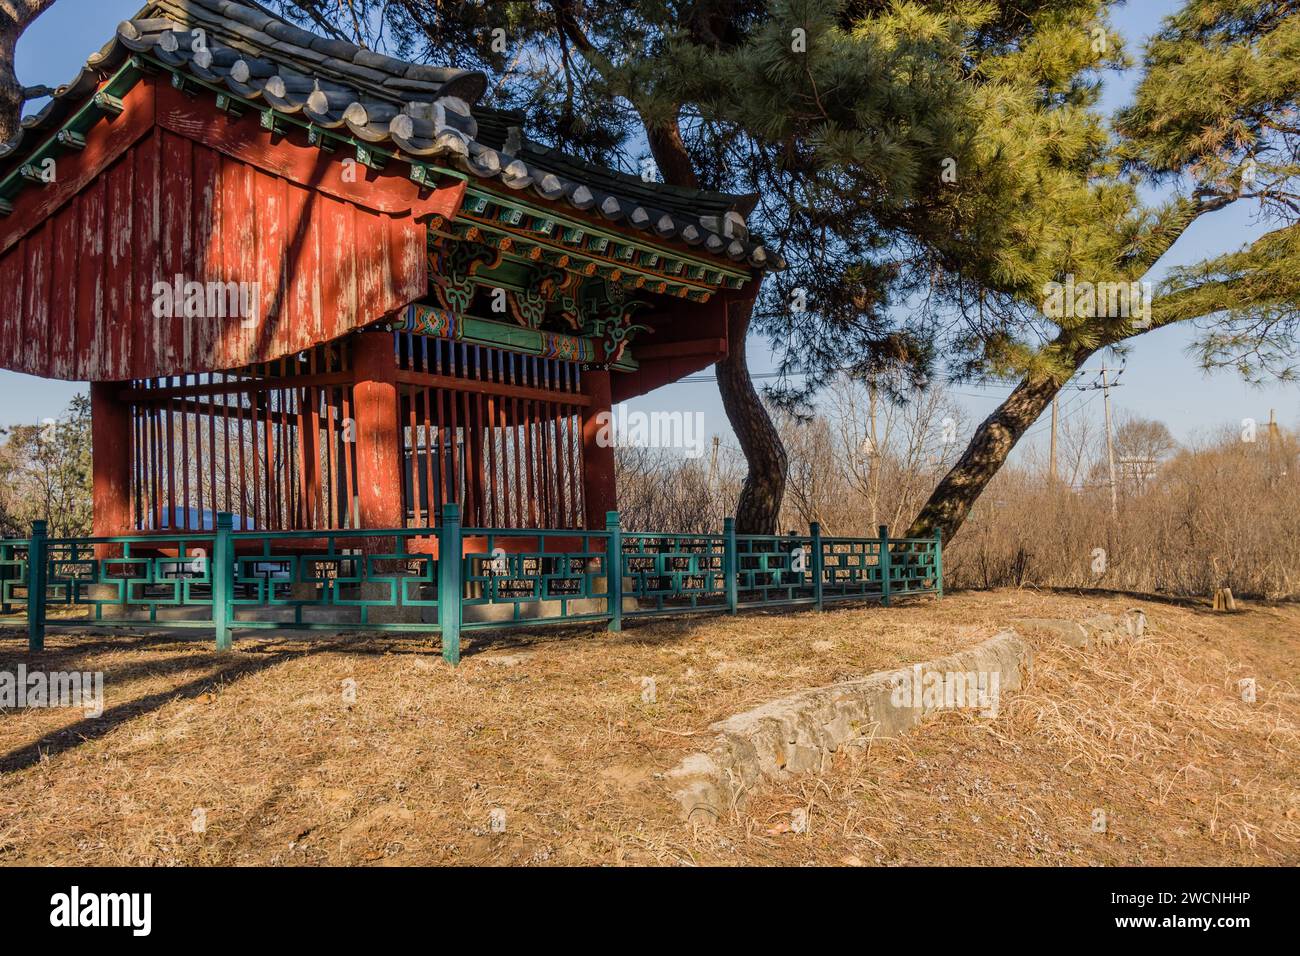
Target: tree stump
1223 600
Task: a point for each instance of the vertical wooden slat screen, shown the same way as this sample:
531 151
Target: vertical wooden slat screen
508 461
272 444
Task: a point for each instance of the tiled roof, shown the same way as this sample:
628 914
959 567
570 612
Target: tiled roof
420 112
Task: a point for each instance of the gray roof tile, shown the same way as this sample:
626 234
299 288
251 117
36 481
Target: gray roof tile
422 111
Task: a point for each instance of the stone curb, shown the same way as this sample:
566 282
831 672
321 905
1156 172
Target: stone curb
797 732
1100 628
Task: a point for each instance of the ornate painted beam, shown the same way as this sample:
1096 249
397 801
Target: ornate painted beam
443 324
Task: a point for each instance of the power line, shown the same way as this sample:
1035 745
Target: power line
988 383
1066 413
714 378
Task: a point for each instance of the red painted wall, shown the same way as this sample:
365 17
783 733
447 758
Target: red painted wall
175 186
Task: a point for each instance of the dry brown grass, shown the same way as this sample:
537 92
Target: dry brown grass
550 726
1152 731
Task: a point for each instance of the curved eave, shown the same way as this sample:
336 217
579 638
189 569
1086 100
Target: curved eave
437 130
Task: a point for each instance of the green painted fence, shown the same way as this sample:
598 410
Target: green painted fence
392 580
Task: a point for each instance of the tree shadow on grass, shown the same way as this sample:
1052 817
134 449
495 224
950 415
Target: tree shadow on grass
670 628
1190 602
59 654
89 729
113 675
167 653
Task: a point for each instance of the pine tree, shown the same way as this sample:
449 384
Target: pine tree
15 17
964 140
929 168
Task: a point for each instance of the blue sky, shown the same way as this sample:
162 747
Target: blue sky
1160 380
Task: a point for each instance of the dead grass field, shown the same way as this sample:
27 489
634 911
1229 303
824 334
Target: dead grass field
550 726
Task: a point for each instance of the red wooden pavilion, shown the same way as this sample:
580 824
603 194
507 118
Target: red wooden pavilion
319 287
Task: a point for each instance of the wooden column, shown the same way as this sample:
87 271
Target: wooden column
378 437
598 490
110 435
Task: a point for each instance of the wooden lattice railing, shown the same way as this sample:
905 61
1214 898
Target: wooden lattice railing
393 579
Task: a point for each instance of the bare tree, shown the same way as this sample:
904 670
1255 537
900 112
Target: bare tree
865 460
1141 446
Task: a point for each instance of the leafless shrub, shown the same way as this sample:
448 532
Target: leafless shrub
662 490
1219 513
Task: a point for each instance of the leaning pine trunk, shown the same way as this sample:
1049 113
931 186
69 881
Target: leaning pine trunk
989 447
759 507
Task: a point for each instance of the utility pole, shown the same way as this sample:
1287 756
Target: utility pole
1110 448
1051 464
874 438
713 466
1274 447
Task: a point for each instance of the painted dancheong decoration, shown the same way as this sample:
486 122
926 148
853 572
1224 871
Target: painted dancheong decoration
324 291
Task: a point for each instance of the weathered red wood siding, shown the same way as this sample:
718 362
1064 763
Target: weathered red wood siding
173 186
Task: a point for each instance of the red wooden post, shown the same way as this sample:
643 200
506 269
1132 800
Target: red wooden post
598 490
379 443
110 435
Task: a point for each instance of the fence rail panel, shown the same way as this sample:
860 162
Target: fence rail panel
523 576
130 580
774 570
13 573
851 569
392 579
675 573
383 579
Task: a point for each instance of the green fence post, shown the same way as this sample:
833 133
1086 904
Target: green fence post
730 563
450 557
221 581
6 554
938 562
36 555
614 570
885 571
815 532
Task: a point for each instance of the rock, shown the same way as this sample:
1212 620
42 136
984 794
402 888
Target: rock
800 758
701 798
1135 621
1104 626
